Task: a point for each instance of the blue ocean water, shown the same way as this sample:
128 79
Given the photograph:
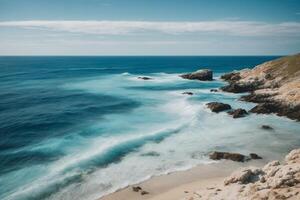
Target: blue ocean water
81 127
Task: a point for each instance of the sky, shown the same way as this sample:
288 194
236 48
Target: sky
149 27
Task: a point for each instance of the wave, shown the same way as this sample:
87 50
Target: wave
71 170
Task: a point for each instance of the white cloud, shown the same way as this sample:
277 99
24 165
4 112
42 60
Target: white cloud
238 28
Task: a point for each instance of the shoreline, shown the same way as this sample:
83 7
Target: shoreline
181 183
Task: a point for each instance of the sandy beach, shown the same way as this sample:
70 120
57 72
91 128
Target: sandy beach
180 185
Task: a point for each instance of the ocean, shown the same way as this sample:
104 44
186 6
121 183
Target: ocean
82 127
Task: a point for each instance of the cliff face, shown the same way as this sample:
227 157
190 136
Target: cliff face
275 85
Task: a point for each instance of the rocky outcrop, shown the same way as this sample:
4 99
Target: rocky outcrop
257 98
217 155
274 181
202 75
218 107
272 177
293 112
243 176
227 156
274 85
238 113
231 77
235 87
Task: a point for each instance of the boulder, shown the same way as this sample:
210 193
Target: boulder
144 78
228 156
218 107
188 93
254 156
202 75
238 113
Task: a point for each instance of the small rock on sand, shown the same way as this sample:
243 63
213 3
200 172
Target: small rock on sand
136 188
144 192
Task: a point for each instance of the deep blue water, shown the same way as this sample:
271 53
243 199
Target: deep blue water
66 120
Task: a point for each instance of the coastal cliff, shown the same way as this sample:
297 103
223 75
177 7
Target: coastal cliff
274 85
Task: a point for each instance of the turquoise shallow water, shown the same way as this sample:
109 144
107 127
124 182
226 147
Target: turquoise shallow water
81 127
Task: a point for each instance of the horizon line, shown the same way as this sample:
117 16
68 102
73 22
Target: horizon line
116 55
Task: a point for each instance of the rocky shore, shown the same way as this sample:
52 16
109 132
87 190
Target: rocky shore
273 181
251 180
274 85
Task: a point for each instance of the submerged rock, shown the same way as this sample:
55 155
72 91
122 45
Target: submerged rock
228 156
218 107
144 78
238 113
188 93
150 153
202 75
254 156
266 127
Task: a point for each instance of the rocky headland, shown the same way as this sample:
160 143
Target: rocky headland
274 85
